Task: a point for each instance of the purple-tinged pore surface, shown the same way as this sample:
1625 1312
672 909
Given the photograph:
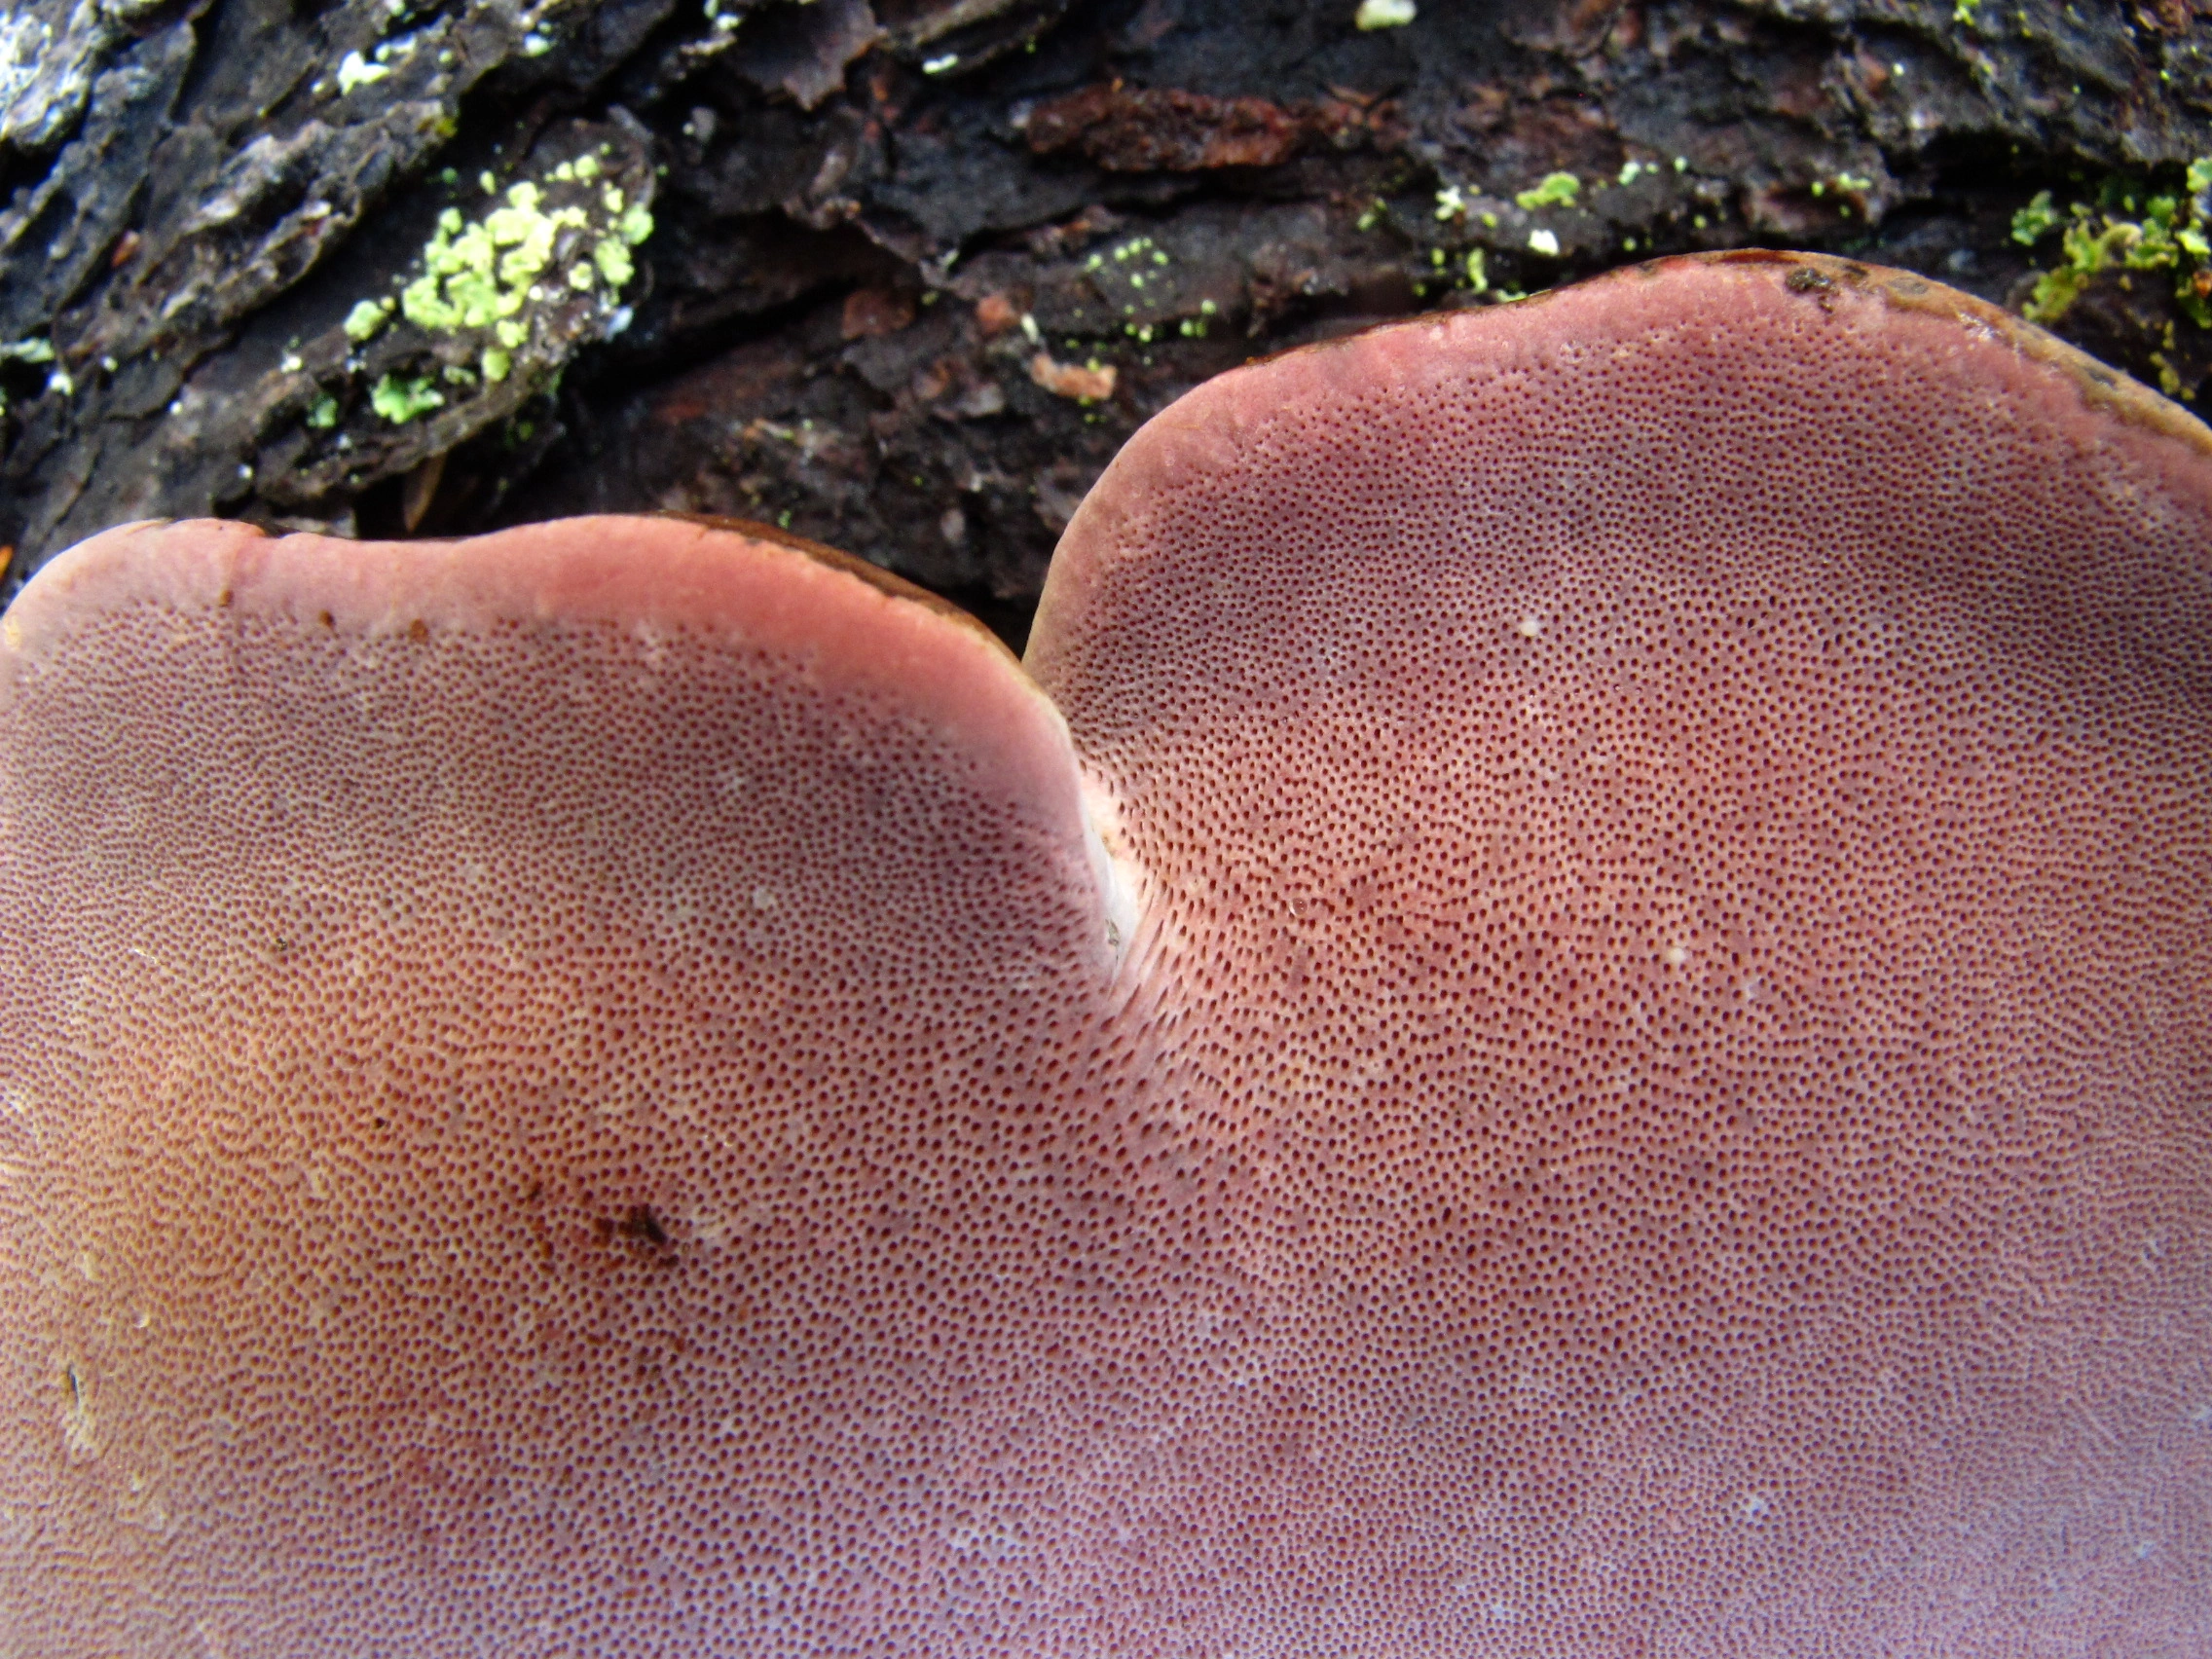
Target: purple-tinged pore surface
1588 1032
1682 812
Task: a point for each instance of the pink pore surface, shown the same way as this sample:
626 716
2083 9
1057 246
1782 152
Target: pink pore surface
545 1096
1681 822
1654 1104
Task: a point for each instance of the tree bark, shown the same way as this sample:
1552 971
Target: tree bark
902 276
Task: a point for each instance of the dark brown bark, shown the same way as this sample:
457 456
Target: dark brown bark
916 269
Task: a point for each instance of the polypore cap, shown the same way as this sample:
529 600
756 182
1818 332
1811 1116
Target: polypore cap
1645 1094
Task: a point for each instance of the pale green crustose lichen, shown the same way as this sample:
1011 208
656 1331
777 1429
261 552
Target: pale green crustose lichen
1372 14
36 349
2125 231
2038 219
482 276
400 400
365 319
476 274
2129 230
1856 184
1553 190
354 70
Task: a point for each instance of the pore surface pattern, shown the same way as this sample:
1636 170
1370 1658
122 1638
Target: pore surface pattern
1654 1104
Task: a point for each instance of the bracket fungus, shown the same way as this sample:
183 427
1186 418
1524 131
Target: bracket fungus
1569 1014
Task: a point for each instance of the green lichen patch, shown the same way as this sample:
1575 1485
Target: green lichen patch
1857 184
1553 190
482 276
366 320
399 401
2037 220
1373 15
1138 291
356 71
514 275
2129 227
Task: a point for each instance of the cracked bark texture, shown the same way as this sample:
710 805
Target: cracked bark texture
916 268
